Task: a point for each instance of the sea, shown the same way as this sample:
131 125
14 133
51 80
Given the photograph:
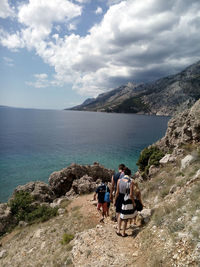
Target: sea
34 143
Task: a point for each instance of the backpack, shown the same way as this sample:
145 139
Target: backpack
107 196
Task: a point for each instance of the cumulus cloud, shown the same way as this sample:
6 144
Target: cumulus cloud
6 10
11 41
136 40
99 10
39 17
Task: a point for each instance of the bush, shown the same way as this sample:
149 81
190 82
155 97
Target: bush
149 156
21 205
66 238
23 209
41 213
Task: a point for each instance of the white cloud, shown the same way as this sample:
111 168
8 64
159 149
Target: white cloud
72 27
39 16
99 10
6 10
83 1
136 40
8 61
41 76
41 81
11 41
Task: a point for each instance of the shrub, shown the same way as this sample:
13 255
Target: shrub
21 204
41 213
23 209
149 156
66 238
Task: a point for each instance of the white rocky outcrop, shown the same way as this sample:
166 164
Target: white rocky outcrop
186 161
167 158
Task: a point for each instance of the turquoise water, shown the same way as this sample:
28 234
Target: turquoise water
34 143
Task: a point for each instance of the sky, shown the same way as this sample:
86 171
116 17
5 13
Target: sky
56 53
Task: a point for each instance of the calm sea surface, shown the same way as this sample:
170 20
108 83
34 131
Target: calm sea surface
34 143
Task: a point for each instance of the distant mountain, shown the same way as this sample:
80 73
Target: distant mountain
165 96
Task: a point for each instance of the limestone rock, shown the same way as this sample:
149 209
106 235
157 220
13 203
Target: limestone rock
187 161
84 185
39 190
3 253
58 201
197 175
167 158
146 215
153 170
61 181
182 129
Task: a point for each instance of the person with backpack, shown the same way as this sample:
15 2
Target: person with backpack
124 201
115 179
107 199
102 204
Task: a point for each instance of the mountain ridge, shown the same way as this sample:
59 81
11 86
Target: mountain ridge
165 96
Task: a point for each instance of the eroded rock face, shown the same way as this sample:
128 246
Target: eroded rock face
39 190
182 129
62 181
84 185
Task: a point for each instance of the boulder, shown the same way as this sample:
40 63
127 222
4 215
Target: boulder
61 182
97 171
186 161
167 158
145 214
84 185
39 190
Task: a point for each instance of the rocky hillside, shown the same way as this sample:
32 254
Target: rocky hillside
166 233
165 96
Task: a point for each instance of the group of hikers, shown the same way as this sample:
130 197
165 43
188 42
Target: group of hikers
125 195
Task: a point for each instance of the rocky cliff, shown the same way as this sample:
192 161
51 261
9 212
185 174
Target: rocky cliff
165 96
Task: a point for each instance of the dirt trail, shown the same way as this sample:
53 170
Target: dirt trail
101 246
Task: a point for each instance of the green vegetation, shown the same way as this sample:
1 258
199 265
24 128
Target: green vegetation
41 214
131 105
24 209
66 238
149 156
